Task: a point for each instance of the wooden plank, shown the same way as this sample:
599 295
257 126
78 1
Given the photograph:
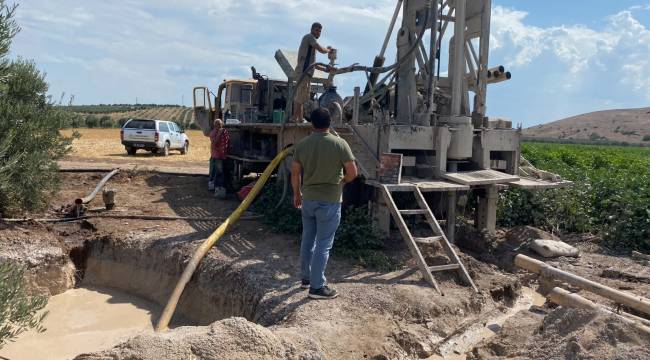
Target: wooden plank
408 238
413 212
430 185
480 177
528 183
444 267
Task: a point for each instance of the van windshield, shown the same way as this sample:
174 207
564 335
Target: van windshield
141 124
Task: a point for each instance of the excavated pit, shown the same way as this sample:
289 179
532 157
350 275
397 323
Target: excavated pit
216 291
251 274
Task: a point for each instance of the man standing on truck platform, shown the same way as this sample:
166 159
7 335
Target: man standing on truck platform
306 58
319 161
219 142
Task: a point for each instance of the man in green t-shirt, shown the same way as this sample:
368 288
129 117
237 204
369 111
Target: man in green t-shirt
319 161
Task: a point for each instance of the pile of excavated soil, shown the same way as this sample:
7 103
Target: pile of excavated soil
48 268
565 334
233 338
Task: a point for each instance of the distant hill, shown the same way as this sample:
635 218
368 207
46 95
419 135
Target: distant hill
626 125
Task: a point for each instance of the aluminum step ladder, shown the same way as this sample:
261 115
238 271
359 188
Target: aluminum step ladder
437 236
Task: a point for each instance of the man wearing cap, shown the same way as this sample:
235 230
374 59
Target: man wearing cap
306 58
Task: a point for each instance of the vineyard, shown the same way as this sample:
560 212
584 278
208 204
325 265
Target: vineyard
610 196
110 116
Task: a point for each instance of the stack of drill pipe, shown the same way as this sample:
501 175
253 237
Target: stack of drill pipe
498 76
496 71
636 302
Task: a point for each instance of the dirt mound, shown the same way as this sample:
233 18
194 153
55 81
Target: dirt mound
48 269
500 248
233 338
565 334
521 235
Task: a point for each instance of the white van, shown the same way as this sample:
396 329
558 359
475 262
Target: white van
157 136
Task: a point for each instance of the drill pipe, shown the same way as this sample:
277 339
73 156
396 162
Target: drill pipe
636 302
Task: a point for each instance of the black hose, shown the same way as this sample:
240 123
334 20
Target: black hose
135 217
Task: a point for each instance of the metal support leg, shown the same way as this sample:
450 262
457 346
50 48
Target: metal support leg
451 216
487 210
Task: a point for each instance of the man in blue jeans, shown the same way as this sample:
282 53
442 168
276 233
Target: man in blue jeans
319 161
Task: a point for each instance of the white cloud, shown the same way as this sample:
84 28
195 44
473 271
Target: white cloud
621 47
576 45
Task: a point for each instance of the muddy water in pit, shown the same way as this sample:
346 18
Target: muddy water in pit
84 320
455 347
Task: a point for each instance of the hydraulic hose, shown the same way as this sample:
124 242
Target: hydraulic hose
200 253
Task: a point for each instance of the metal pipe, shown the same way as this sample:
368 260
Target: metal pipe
433 55
484 52
457 71
539 267
390 28
167 313
355 106
118 216
91 196
570 300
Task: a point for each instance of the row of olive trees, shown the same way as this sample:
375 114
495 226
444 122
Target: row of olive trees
30 145
92 121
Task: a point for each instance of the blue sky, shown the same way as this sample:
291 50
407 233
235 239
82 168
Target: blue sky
566 57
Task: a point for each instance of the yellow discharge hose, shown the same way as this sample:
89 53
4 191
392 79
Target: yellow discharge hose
167 313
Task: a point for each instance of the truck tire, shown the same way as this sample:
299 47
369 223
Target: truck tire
165 151
130 150
186 148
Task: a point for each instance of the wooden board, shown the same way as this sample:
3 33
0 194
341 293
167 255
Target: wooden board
480 177
390 168
528 183
428 185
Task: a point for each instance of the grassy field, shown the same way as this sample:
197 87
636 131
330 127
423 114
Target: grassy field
105 143
610 195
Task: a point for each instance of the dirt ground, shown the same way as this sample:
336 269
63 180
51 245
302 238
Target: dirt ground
246 292
103 145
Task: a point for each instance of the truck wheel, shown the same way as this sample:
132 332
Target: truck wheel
186 148
131 150
166 149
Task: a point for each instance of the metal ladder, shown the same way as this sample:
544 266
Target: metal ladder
412 242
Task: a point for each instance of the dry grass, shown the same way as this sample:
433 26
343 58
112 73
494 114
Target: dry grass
105 143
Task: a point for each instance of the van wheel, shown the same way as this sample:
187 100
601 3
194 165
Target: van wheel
131 150
166 149
186 148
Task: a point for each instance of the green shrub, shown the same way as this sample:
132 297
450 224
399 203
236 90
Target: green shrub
92 121
610 194
31 142
106 122
77 121
123 121
595 136
18 311
646 138
357 236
